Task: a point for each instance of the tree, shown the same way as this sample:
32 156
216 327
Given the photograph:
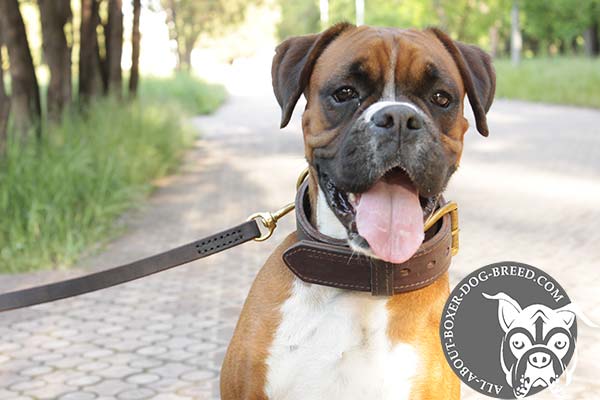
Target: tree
188 19
55 15
135 48
298 18
114 47
591 21
90 79
4 101
25 95
592 43
558 23
516 41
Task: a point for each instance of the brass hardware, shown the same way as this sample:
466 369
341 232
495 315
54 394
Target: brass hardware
269 219
301 178
452 208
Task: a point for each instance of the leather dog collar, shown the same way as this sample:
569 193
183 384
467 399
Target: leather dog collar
323 260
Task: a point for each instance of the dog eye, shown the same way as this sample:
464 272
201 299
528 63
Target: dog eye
441 98
517 344
560 344
345 94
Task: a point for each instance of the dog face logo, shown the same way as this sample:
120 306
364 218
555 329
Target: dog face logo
537 346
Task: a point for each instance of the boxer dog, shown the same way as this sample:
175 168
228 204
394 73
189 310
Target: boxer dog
383 132
537 346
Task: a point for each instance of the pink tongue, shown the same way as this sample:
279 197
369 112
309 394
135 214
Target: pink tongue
390 218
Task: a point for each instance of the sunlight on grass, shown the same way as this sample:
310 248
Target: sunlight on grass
63 194
574 81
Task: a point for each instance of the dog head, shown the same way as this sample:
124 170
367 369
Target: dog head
537 345
383 125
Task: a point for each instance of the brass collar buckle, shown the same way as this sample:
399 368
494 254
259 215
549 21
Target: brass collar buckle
452 208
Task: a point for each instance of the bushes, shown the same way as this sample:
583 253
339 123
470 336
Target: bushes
574 81
63 193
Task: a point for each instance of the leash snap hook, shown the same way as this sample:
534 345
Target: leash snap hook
269 220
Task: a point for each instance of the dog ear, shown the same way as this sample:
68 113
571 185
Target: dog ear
477 72
293 64
567 316
508 309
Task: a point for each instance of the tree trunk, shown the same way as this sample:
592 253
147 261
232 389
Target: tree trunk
494 39
103 61
516 40
4 103
360 12
186 54
54 15
114 47
324 13
89 56
135 49
441 14
25 92
591 40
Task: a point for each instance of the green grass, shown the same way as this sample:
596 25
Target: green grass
573 81
63 194
180 87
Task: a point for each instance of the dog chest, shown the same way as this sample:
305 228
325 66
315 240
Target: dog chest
334 344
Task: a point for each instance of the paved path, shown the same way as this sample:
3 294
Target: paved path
530 193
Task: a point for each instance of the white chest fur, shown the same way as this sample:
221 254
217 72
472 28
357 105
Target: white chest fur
333 344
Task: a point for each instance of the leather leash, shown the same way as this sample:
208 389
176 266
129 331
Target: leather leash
378 274
138 269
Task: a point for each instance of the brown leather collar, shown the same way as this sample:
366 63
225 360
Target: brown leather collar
323 260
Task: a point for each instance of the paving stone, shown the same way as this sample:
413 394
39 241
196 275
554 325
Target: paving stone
166 396
110 387
171 370
98 353
35 371
27 385
67 362
46 357
78 396
152 350
55 344
145 363
93 366
143 379
50 391
117 371
85 380
135 394
198 376
168 385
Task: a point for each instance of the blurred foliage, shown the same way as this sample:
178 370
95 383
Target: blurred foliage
548 26
560 80
188 19
64 192
557 22
298 18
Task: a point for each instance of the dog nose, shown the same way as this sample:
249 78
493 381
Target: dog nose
539 359
398 118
